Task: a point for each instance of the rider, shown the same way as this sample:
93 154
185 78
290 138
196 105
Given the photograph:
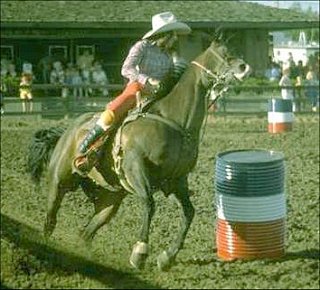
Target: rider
147 66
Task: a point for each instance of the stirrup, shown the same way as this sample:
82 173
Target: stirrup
83 163
90 157
80 166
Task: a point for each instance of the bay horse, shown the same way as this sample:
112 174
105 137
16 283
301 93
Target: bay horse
152 151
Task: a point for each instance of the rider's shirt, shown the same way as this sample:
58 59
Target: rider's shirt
146 60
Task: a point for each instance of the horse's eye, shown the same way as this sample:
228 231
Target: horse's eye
230 58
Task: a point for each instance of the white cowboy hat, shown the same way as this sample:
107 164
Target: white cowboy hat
164 22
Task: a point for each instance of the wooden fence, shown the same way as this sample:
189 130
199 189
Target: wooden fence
251 100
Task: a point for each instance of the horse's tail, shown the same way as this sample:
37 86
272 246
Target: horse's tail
40 150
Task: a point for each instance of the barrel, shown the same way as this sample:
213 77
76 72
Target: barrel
280 115
250 204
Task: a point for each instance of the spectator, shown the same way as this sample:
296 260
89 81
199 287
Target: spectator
286 86
12 70
78 82
27 68
312 93
273 72
11 79
99 77
316 68
4 68
85 60
57 74
301 69
290 58
86 75
57 77
299 78
69 73
4 65
293 70
2 92
44 68
25 92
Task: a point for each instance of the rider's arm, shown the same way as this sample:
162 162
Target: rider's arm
130 68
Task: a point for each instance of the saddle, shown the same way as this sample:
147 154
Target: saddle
93 154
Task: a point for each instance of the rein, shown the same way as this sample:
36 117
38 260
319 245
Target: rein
218 80
209 72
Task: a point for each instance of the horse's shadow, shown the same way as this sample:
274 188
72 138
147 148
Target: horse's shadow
312 254
26 238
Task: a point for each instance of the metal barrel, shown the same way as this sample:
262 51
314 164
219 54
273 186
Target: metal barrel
280 115
250 204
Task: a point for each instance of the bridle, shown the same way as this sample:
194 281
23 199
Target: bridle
217 80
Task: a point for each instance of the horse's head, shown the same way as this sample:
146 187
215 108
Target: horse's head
219 68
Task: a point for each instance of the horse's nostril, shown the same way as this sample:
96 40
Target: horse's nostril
242 67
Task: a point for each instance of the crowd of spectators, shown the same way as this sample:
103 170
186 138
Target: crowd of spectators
297 81
74 79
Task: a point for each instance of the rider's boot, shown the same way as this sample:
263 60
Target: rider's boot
88 150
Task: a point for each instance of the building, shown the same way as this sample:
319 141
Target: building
31 30
281 52
300 51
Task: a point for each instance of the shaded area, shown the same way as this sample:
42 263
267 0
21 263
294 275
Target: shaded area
3 286
55 260
311 254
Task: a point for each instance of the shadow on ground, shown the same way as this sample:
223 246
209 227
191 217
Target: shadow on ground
27 238
312 254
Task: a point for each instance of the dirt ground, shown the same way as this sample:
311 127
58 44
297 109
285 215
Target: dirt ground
29 261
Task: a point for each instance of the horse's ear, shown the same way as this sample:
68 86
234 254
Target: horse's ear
229 38
206 39
218 34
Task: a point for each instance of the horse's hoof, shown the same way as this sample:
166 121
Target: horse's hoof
86 242
47 231
86 239
139 255
164 261
137 261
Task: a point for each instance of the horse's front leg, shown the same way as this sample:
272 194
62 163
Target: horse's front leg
140 249
137 177
181 195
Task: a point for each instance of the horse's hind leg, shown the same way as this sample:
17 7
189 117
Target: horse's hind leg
181 195
55 196
106 206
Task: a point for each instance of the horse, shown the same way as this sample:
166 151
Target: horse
153 150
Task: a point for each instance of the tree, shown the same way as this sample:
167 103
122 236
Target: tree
312 34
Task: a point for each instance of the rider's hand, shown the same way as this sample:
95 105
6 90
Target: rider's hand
152 86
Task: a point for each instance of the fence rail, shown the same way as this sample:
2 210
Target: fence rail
70 106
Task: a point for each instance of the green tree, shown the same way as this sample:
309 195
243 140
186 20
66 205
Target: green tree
312 34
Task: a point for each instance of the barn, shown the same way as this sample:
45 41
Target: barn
31 30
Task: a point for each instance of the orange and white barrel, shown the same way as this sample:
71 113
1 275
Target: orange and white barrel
250 204
280 115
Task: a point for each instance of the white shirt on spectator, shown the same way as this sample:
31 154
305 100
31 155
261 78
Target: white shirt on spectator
99 77
85 60
286 93
57 77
